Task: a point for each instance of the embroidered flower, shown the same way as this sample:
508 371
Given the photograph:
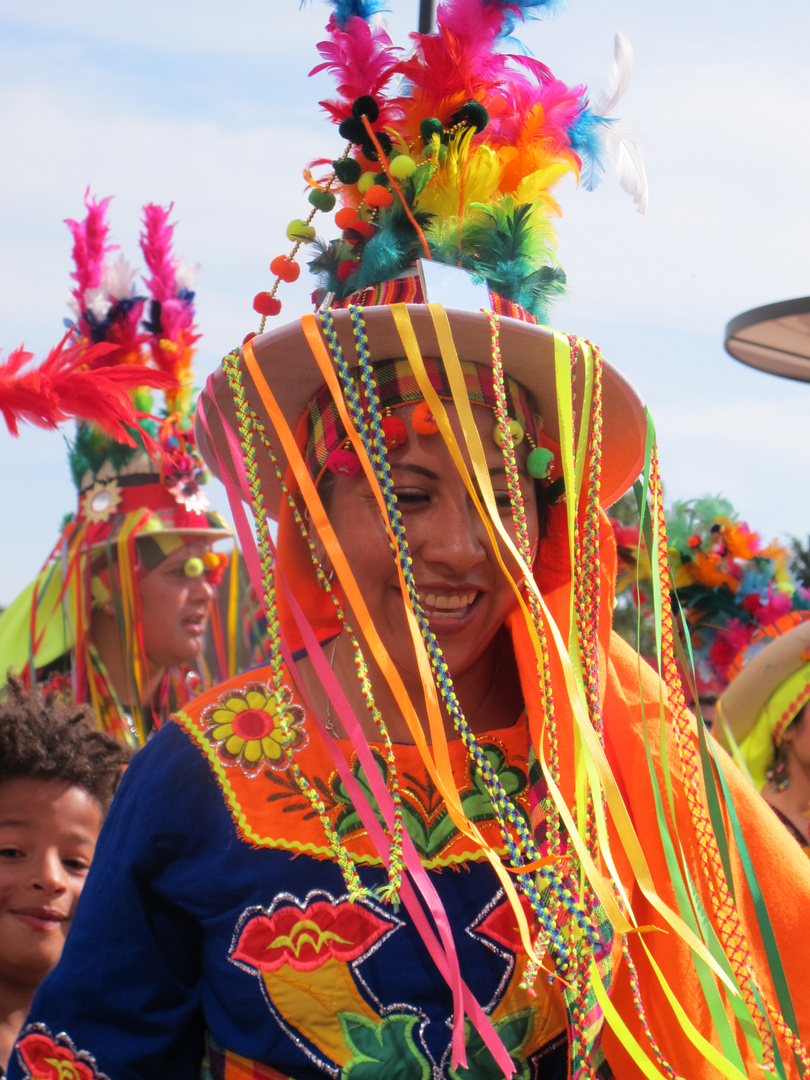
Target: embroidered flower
101 501
252 728
45 1058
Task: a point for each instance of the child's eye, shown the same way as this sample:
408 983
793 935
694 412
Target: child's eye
10 853
78 866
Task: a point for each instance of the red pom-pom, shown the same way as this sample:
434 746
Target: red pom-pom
694 541
379 196
285 268
343 462
363 228
248 337
394 432
345 217
423 420
266 304
346 269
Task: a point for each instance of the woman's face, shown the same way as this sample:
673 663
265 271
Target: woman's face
797 739
175 609
463 591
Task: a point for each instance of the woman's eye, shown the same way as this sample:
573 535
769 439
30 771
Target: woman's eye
411 496
503 500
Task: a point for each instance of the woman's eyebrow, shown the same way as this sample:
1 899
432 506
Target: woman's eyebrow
419 469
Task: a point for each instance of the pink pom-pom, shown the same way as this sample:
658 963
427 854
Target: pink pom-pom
343 462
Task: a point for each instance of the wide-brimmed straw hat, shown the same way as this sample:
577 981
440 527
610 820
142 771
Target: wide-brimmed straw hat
286 361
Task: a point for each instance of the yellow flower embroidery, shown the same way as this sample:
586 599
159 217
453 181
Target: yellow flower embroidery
250 728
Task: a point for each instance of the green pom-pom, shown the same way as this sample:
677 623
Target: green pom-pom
352 130
365 105
539 462
298 230
323 200
370 150
347 171
430 127
473 114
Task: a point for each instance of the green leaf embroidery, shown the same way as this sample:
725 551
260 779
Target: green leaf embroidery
514 1032
385 1049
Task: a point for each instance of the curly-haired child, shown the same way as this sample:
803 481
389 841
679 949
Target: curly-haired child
58 774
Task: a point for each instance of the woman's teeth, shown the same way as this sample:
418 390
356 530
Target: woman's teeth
453 604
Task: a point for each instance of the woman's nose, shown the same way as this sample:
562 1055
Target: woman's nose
49 874
457 537
201 589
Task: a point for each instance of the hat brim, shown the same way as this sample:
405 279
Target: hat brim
527 351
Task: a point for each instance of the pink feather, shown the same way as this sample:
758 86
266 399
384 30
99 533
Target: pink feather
362 61
89 247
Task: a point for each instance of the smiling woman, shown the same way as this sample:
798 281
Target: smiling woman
453 828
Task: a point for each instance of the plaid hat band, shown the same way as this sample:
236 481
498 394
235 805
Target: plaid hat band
397 386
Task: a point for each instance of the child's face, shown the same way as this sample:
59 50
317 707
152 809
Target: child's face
48 833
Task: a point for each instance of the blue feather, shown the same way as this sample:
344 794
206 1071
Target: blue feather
586 141
527 9
355 9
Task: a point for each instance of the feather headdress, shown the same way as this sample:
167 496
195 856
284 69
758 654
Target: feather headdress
455 151
729 584
71 383
172 334
135 465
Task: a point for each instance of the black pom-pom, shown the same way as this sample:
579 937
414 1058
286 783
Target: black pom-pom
381 178
473 115
351 129
365 105
429 128
347 170
370 151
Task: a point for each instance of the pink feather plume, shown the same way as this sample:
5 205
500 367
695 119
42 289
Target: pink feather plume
362 61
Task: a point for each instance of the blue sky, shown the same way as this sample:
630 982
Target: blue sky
209 106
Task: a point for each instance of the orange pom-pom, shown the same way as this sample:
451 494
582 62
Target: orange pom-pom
423 420
379 196
285 268
345 217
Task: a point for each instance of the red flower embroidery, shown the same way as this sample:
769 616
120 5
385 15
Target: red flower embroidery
45 1058
307 939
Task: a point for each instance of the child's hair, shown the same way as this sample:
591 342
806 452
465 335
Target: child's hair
43 739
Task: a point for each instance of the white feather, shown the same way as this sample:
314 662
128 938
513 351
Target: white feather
118 279
96 302
618 77
619 140
628 161
187 274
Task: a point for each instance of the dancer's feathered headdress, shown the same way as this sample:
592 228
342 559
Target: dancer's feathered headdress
133 461
453 153
730 585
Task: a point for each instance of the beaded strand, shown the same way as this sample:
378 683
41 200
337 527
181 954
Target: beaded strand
505 811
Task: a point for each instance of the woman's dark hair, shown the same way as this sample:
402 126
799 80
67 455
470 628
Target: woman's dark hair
43 739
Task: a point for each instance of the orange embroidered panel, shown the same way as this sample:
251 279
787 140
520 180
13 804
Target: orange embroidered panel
242 730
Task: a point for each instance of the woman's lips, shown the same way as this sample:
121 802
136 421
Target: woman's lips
42 919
